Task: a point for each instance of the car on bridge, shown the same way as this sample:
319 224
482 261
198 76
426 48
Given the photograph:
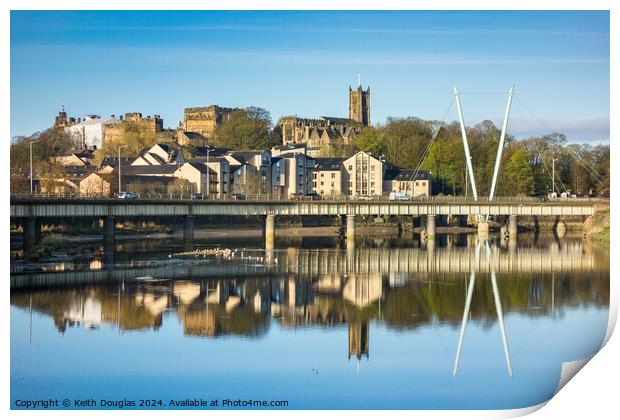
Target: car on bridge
399 196
126 195
304 197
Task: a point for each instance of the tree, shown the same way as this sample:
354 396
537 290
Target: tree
51 142
519 172
370 140
246 129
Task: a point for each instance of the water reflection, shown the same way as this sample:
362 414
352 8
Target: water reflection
402 288
422 322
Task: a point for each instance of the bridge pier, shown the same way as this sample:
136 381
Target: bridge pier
350 228
188 229
270 231
430 225
108 230
513 227
32 232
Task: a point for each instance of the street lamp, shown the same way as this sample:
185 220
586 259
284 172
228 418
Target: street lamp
31 184
208 173
119 167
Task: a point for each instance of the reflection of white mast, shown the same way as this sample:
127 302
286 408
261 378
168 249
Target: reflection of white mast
498 308
470 291
500 318
30 329
553 295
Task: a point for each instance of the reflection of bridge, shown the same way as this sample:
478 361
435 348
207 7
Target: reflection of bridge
570 257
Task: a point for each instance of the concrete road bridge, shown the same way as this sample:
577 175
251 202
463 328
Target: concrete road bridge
30 211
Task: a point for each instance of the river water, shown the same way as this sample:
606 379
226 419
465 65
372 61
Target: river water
387 323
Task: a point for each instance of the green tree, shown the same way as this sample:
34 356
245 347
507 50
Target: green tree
246 129
371 140
519 172
49 143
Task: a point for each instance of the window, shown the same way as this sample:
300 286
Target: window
314 175
372 168
322 174
314 184
372 184
372 192
321 183
333 175
350 167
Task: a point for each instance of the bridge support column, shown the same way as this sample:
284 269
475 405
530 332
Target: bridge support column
108 230
270 231
188 229
513 227
483 230
430 225
350 227
32 232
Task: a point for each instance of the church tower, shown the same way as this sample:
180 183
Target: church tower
359 105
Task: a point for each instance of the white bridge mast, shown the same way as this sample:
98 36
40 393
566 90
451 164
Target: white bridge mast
500 149
470 170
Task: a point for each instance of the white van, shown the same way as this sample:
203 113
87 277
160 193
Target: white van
399 196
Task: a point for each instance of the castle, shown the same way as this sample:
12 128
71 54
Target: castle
204 120
200 123
328 131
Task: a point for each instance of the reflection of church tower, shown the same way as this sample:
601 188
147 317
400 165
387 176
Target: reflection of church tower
359 105
358 339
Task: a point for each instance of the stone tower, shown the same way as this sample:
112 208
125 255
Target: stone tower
359 105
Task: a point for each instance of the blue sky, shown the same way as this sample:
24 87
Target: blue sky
303 63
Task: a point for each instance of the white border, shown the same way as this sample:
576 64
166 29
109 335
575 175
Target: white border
594 394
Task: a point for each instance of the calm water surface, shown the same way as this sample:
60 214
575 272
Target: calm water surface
389 323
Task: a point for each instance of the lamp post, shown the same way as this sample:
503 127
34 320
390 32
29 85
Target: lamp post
31 183
553 177
208 174
119 167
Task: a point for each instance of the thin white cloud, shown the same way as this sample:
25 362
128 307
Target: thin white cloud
593 130
344 29
205 55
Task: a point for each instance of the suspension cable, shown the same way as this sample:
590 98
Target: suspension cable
587 166
539 152
442 122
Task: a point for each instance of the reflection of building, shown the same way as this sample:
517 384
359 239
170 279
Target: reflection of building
358 339
87 312
363 289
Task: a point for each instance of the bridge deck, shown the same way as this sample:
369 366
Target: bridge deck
21 207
